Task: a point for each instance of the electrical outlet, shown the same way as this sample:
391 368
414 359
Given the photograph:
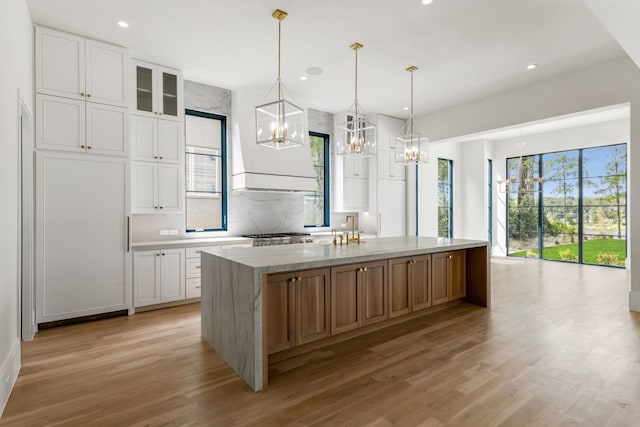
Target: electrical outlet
164 232
173 232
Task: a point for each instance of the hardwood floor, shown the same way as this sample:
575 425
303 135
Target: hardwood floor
558 347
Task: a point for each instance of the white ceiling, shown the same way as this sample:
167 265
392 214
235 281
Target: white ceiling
465 49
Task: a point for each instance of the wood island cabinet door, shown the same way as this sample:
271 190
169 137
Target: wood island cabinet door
440 283
421 282
280 313
312 305
374 285
399 301
345 299
457 276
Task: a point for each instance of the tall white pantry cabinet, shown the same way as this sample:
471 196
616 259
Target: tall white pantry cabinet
82 177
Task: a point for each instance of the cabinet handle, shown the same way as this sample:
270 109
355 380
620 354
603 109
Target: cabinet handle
88 95
197 266
365 269
160 207
197 286
81 93
162 253
299 279
158 254
198 252
155 157
155 207
450 256
82 146
89 147
160 157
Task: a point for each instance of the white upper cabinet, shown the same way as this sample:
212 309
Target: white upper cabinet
158 91
78 126
156 187
388 129
356 167
156 140
74 67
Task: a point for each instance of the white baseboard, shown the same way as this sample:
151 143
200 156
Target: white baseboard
9 374
634 300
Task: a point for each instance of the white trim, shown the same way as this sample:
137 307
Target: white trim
634 300
9 374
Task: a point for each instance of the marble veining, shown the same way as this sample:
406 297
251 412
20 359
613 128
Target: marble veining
320 121
265 212
210 99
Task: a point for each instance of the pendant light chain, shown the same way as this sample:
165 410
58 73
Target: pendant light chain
279 53
411 112
356 92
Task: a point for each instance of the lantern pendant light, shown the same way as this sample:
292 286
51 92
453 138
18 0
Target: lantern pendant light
280 123
356 136
411 145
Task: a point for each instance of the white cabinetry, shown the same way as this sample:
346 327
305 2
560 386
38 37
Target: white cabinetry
82 264
74 67
159 276
158 91
156 140
156 187
78 126
388 129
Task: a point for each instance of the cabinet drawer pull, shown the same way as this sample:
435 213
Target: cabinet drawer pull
365 269
197 266
198 252
197 287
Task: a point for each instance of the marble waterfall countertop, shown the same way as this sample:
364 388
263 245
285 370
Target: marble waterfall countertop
272 259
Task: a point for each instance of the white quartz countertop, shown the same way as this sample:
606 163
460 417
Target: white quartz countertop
309 255
189 243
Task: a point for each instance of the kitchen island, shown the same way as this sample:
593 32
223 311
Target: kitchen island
267 300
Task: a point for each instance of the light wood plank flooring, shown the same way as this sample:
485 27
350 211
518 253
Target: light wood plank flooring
559 347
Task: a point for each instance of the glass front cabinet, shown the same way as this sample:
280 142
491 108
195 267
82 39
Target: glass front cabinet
158 91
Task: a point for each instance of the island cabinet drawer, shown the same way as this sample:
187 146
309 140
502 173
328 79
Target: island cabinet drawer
193 267
193 288
298 308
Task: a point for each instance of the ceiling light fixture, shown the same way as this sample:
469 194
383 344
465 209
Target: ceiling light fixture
405 108
303 78
524 174
411 145
280 123
356 136
532 66
123 24
427 1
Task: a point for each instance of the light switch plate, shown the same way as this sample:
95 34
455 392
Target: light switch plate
164 232
173 232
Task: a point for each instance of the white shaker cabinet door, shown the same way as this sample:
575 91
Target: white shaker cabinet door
172 275
106 67
60 64
107 129
169 96
144 138
146 277
391 208
170 147
60 123
144 185
170 187
82 264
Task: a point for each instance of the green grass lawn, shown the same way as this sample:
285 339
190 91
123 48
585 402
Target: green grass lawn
591 249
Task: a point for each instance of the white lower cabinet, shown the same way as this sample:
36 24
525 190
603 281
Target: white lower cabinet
82 264
156 187
158 276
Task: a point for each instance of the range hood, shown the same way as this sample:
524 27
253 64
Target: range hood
258 168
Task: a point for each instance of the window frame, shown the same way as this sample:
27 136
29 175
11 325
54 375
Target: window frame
223 170
449 184
327 184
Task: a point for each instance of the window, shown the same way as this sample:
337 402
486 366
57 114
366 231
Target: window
316 204
445 198
205 171
577 214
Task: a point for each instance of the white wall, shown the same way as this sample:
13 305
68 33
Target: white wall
599 86
16 51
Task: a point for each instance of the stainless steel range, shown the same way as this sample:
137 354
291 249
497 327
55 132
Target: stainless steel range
271 239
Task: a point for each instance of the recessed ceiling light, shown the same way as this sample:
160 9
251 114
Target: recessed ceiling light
532 66
314 71
405 108
123 24
303 77
427 1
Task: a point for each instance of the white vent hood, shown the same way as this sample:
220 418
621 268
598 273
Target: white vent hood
259 168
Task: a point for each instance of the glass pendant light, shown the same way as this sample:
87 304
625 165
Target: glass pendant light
356 136
411 145
279 124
